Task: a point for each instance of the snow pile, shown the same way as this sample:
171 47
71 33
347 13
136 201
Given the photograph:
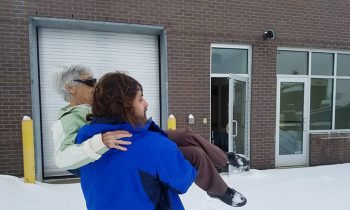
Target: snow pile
16 195
311 188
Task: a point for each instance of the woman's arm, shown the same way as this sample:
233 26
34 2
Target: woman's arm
69 155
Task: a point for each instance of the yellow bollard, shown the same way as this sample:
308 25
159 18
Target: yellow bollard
28 150
171 122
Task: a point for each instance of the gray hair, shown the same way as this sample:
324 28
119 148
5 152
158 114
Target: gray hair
66 76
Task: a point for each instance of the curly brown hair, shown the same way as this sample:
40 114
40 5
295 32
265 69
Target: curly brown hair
113 96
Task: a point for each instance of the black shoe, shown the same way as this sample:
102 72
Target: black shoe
231 197
239 161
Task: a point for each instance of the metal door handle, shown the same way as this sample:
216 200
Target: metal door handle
235 133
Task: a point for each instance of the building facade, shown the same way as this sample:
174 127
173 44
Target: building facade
282 100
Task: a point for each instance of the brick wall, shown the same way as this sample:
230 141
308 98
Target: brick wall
329 149
14 85
191 25
263 99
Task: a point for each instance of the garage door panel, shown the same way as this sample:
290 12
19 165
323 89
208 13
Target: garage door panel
103 52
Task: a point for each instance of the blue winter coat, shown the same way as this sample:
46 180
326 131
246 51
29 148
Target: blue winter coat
150 175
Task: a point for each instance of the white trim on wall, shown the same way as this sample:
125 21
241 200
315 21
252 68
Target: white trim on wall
101 26
248 109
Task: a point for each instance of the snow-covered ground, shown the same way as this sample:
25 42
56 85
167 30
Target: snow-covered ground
312 188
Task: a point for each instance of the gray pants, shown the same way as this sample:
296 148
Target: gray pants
204 156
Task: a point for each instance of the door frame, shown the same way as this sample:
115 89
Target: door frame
242 78
293 160
45 22
248 89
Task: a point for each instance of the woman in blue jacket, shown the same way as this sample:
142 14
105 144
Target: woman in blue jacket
153 171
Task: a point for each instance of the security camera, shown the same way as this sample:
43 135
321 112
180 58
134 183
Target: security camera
269 34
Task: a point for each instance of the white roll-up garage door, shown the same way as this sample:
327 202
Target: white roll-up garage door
103 52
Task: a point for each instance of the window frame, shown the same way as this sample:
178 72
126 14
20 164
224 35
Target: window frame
307 62
309 76
235 47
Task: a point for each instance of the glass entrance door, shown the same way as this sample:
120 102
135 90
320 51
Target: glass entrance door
229 125
237 110
236 130
291 122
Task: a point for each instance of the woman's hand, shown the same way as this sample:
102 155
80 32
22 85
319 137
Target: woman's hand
112 139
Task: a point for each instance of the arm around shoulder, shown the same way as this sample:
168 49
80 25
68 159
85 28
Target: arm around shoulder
68 154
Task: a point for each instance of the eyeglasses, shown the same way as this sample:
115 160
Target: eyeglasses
88 82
